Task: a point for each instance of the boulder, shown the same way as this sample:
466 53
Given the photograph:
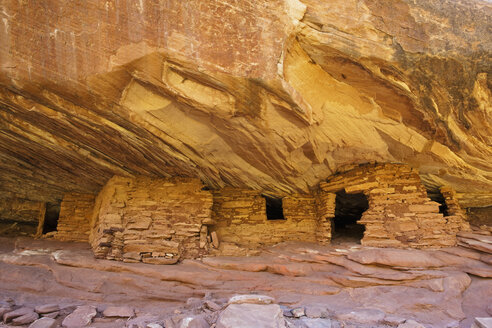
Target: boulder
248 315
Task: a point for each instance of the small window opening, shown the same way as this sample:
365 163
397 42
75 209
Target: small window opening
51 217
348 211
274 210
439 198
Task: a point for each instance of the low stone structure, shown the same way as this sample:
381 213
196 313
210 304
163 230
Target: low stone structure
400 214
241 218
151 220
75 215
456 217
157 220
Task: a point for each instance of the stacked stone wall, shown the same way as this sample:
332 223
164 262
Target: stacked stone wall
75 215
456 218
400 214
240 218
151 220
325 204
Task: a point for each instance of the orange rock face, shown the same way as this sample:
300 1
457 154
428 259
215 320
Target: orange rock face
271 95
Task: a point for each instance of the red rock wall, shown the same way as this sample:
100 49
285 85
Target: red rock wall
75 215
240 217
150 220
400 214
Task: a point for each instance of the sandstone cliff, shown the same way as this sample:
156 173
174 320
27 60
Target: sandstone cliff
273 95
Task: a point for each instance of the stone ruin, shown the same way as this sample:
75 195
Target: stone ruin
163 220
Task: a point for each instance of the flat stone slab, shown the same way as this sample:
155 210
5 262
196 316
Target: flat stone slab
251 299
119 311
25 319
251 315
47 308
81 317
8 316
43 323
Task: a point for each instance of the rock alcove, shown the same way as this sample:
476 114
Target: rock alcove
207 137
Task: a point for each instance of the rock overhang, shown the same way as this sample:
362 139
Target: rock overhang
271 96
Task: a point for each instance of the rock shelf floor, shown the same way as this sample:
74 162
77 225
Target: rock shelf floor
351 283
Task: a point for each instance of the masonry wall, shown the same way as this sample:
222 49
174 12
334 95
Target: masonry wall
325 204
456 217
151 220
400 214
240 218
75 215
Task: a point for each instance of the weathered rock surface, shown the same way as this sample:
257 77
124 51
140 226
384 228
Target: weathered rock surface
273 95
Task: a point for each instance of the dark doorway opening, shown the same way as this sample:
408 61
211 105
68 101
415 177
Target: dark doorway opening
439 198
51 217
274 209
348 211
